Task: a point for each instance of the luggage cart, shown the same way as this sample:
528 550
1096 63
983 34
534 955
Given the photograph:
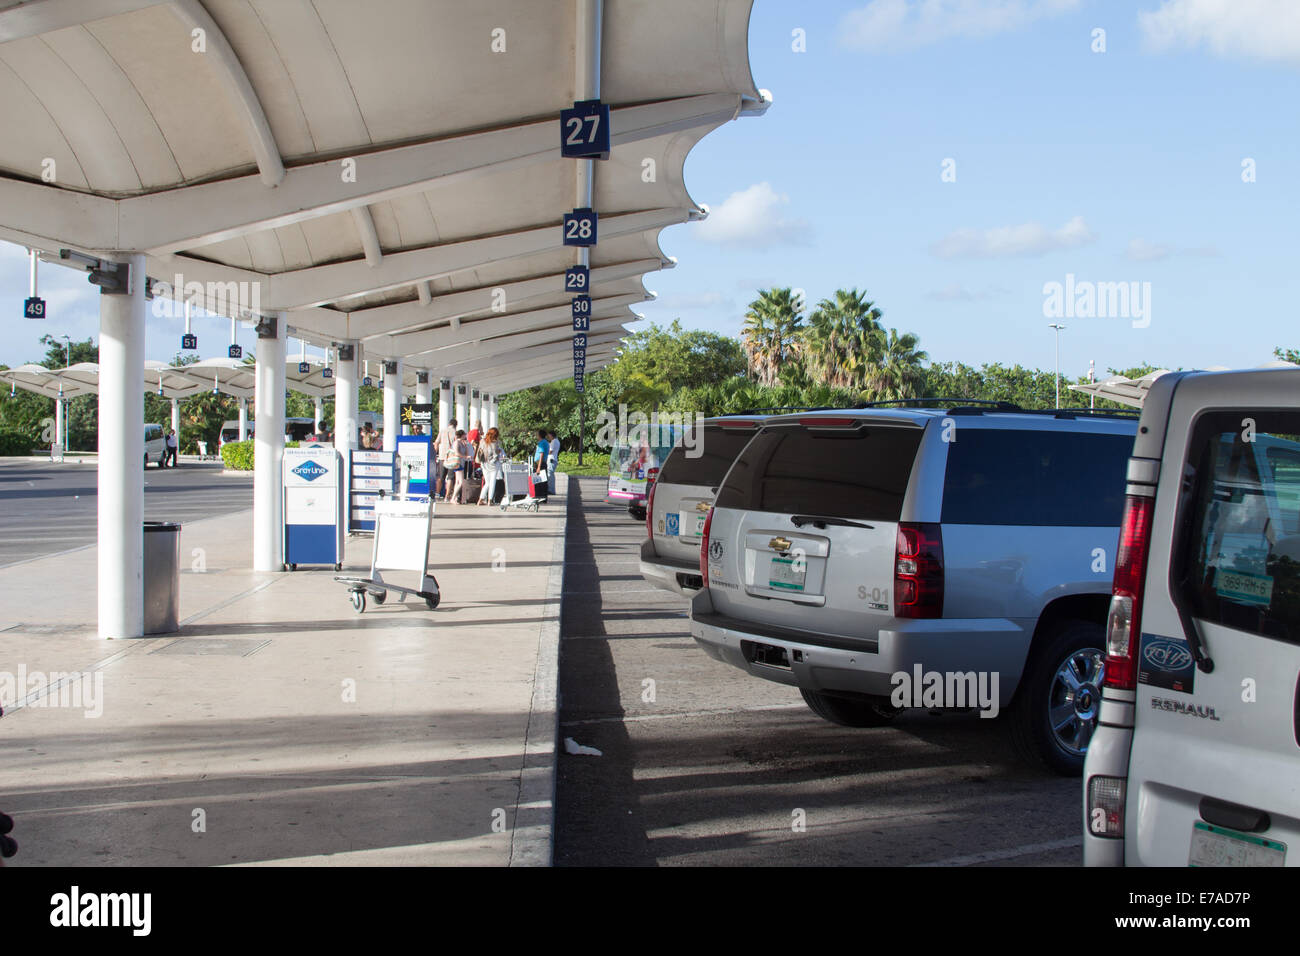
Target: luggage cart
516 475
402 526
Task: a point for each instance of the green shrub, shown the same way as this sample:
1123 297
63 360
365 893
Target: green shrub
15 443
238 455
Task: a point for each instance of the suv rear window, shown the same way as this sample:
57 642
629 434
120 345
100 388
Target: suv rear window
1240 562
1036 478
714 449
837 473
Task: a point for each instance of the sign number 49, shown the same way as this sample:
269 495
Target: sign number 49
34 308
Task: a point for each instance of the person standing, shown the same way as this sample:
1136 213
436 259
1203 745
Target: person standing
446 440
173 447
553 455
489 456
368 437
541 454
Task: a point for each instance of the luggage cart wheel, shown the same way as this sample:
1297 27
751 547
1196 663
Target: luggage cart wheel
294 567
359 601
338 567
431 598
379 596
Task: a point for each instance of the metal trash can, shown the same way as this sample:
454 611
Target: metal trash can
162 584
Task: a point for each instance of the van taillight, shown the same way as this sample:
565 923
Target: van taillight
704 548
918 571
650 511
1124 623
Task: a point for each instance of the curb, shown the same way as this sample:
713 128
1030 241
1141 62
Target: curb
532 839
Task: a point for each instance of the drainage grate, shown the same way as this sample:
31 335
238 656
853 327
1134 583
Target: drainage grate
210 645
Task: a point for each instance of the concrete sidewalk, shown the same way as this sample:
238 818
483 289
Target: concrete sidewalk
281 727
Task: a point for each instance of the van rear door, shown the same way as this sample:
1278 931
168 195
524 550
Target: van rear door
1215 763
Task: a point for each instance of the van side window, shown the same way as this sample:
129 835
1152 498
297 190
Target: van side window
1018 477
1239 564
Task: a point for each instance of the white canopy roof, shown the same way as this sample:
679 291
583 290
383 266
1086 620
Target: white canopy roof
1133 391
386 171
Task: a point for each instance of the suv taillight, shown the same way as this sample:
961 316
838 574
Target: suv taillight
650 510
704 548
918 571
1124 623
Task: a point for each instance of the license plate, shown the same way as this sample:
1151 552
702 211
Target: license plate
785 575
1215 846
691 524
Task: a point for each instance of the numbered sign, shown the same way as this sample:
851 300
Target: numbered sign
579 364
367 381
189 341
327 373
579 355
580 340
581 313
580 227
304 368
34 308
236 351
578 381
584 130
577 279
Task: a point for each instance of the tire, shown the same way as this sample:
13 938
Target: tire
379 596
637 513
1062 679
338 567
431 598
358 601
851 711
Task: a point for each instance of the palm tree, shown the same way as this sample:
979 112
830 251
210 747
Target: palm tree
771 325
900 371
842 341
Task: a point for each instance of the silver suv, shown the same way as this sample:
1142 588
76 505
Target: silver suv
926 557
682 495
1195 761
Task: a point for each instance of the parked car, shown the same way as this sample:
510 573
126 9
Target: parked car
633 467
230 431
155 446
1195 760
679 500
847 548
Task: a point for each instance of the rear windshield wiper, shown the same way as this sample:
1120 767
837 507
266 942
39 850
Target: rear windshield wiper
818 521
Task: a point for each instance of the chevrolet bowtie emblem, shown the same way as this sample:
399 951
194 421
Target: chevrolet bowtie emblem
702 506
779 544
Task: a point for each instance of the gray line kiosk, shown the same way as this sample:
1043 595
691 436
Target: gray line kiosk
313 507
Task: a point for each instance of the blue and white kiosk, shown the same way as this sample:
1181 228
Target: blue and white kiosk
313 507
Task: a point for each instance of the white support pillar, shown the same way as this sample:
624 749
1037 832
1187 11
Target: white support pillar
320 405
492 412
444 403
423 388
462 412
346 382
475 407
176 422
243 419
393 372
268 446
59 438
121 452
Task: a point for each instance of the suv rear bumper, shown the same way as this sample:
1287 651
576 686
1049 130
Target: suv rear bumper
864 666
675 576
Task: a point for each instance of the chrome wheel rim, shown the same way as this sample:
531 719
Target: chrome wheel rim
1075 698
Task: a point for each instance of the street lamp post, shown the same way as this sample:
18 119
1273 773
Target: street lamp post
1059 328
66 423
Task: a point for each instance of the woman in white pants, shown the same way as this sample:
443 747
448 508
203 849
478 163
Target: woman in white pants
489 456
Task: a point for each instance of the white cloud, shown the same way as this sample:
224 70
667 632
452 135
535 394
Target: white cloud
753 217
1139 250
896 25
1028 239
1263 29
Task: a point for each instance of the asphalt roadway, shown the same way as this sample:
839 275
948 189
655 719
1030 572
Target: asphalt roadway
46 508
703 765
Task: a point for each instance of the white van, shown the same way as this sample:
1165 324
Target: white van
1196 756
230 431
155 445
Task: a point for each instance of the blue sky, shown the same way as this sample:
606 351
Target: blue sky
1115 166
